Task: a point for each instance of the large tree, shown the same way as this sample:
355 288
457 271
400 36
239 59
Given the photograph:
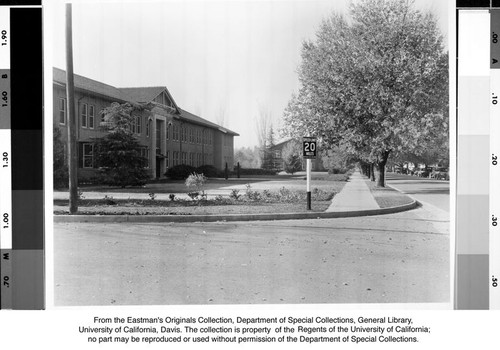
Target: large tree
374 82
118 153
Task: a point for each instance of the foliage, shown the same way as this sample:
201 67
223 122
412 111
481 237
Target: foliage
119 117
252 172
235 194
292 156
118 155
197 182
152 196
171 196
109 200
208 171
180 172
251 194
375 83
248 157
60 175
337 160
193 195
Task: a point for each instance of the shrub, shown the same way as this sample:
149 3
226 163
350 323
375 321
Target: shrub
250 171
171 196
193 195
251 194
152 196
109 200
197 181
235 194
209 171
180 172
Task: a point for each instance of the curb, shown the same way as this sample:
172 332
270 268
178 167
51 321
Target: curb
232 217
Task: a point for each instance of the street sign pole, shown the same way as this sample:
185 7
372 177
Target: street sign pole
308 165
309 152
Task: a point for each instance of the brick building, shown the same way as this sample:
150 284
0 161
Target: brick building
169 135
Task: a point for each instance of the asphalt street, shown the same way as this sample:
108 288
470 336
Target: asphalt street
397 258
427 191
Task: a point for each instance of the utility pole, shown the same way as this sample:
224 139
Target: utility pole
70 97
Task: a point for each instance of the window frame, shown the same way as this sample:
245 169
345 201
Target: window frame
87 156
85 115
63 110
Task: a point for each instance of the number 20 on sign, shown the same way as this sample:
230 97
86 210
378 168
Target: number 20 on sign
309 147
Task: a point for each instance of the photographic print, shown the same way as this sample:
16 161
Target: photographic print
251 152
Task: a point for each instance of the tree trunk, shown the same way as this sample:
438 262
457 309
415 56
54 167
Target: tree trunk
372 171
381 169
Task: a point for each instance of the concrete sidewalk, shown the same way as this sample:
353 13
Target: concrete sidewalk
354 196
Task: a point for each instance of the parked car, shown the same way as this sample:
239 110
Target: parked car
423 172
440 174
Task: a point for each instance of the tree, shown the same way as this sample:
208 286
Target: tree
118 153
375 83
248 157
337 160
60 174
292 156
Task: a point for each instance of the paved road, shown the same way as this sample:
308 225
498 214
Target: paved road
429 192
394 258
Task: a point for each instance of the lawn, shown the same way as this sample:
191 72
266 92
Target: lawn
387 197
276 194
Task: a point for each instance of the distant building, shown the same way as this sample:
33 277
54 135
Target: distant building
169 136
276 158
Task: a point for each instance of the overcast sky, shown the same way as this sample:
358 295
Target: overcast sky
213 56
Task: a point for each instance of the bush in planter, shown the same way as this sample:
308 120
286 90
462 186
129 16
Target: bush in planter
180 172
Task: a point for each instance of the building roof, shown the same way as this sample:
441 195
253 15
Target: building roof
281 144
131 94
143 94
198 120
81 82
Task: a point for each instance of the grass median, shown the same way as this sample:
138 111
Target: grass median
387 197
254 196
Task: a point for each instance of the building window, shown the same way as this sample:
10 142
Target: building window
176 158
91 116
167 158
85 117
167 131
183 158
62 111
88 155
138 121
183 134
148 125
175 133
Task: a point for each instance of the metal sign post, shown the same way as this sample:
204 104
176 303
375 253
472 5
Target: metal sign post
309 152
308 165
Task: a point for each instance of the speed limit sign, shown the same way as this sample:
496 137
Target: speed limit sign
309 147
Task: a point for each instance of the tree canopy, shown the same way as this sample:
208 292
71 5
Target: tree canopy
374 82
118 153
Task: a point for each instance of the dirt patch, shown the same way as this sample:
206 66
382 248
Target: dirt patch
387 197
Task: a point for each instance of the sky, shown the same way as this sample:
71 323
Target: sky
231 58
